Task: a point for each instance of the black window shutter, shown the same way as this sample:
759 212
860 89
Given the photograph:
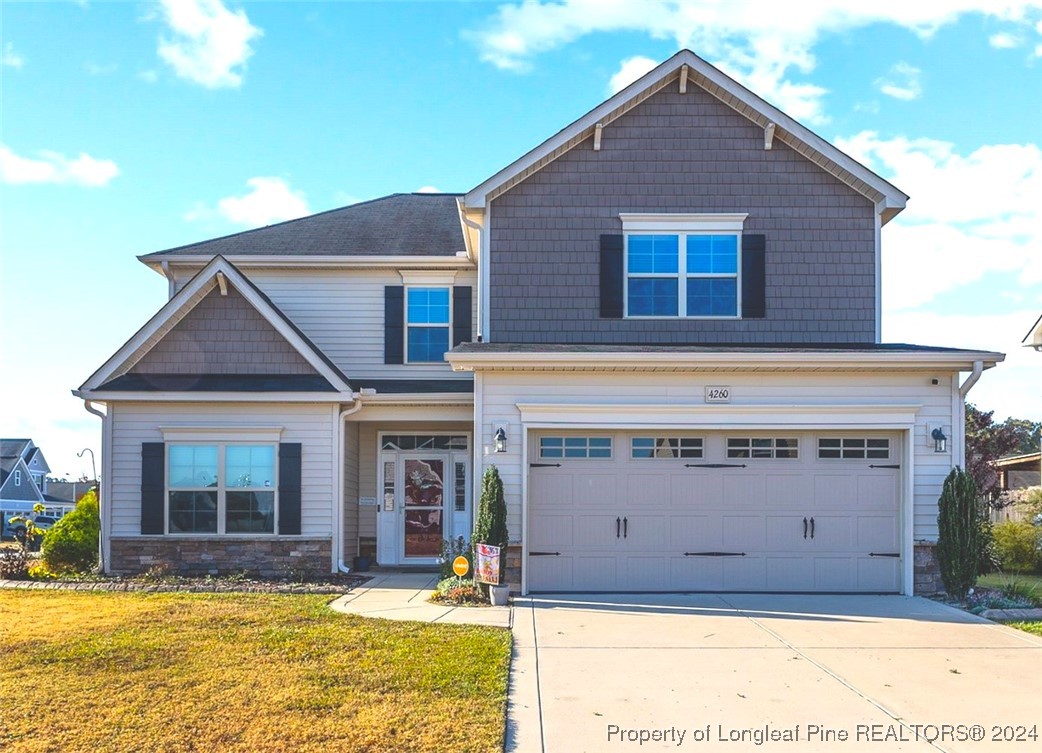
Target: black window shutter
289 488
754 276
153 487
460 315
611 277
394 324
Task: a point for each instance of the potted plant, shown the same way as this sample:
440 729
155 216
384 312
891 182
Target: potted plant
491 527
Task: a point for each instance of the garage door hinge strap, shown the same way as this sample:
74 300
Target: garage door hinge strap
544 465
884 554
544 554
884 466
714 554
714 465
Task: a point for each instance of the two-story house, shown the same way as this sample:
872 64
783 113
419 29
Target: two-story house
23 483
662 325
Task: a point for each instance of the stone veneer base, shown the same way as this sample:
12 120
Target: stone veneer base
268 557
926 570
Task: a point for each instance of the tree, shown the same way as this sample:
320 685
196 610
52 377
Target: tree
1028 434
491 524
986 442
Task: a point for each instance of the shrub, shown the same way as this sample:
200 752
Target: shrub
959 526
455 590
1017 545
71 546
491 525
15 563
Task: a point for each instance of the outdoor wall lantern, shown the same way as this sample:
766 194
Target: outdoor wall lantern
501 440
940 442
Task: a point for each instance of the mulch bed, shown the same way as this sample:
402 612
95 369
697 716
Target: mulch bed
339 584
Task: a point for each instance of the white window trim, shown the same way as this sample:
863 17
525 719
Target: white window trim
222 434
222 488
681 225
587 437
658 437
774 447
431 325
866 449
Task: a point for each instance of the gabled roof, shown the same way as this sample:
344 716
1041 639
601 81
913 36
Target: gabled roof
687 66
208 278
28 488
13 448
402 224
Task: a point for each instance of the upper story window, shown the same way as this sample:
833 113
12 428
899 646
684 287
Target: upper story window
682 265
17 478
427 324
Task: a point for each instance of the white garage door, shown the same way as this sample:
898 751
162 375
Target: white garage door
716 511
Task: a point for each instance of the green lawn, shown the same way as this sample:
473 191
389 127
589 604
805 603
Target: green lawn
205 672
1032 583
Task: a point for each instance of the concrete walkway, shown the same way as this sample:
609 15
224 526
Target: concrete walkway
715 672
403 596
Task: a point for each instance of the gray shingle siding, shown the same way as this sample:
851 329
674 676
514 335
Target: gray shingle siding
682 153
223 335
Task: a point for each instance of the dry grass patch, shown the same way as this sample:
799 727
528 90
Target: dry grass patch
192 672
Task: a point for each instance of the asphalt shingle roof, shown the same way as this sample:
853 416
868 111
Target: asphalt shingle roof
12 448
402 224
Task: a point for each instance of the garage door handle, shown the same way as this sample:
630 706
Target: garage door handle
884 554
544 554
884 466
625 527
714 554
714 465
544 465
812 528
804 528
618 522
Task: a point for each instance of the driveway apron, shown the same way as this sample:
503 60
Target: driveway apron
744 672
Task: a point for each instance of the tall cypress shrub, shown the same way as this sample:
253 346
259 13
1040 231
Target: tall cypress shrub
959 542
491 524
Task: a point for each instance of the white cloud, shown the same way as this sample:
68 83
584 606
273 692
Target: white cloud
1004 40
629 71
268 200
52 167
968 215
761 44
11 59
902 83
209 44
429 189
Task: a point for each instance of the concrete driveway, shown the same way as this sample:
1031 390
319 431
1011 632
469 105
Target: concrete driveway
728 672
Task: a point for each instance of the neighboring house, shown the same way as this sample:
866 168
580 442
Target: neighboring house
23 481
1033 339
662 325
1019 471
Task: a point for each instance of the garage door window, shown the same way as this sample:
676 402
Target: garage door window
853 448
665 447
762 448
575 447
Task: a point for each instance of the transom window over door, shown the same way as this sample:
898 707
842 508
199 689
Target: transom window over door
682 266
427 324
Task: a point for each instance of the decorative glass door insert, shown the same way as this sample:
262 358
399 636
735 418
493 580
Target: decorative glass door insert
424 506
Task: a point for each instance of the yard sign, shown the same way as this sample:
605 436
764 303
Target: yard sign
487 564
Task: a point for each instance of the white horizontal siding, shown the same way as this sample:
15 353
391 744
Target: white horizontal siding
501 391
310 424
342 311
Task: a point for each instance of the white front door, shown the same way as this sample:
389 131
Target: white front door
425 500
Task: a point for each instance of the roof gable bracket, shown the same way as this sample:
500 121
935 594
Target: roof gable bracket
683 79
222 283
768 136
597 136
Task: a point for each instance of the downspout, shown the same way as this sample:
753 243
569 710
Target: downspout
165 266
103 497
481 288
356 406
964 389
978 369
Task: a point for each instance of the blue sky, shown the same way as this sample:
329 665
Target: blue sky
130 127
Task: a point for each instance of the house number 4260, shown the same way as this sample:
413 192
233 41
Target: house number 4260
718 394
